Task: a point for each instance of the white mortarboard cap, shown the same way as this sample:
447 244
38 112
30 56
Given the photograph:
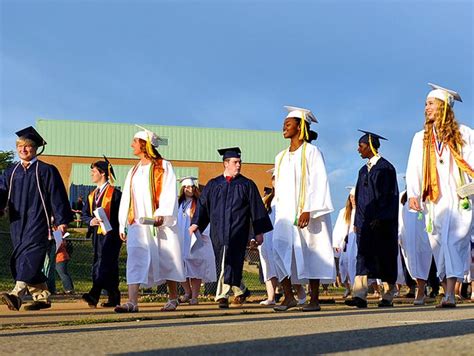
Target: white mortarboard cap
443 94
351 189
146 135
301 113
189 180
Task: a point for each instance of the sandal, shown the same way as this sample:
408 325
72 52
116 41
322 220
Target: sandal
184 298
128 307
171 305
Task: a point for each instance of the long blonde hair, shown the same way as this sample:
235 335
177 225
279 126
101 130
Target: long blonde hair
348 211
448 132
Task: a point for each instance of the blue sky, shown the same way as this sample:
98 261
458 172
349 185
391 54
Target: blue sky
234 64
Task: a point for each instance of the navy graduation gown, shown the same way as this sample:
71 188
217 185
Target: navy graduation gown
105 267
376 219
28 223
232 209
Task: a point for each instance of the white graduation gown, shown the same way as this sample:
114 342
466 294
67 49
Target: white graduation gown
414 243
310 246
451 225
199 259
153 254
266 250
348 259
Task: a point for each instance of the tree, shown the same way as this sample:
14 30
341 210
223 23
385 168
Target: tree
6 159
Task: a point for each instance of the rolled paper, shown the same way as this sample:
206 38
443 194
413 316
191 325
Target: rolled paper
146 221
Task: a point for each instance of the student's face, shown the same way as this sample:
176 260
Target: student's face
353 200
232 166
188 191
26 151
431 106
290 128
364 150
96 176
136 147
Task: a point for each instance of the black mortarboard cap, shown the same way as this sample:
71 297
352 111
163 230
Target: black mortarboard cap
30 133
232 152
373 137
106 167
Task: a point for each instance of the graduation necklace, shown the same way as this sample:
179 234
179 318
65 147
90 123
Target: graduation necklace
301 196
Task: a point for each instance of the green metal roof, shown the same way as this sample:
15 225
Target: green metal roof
92 139
80 173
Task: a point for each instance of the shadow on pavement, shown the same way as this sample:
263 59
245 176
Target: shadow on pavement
321 343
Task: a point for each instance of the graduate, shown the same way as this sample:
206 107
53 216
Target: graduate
344 239
105 268
199 260
265 250
231 204
415 247
32 192
148 223
441 160
302 236
376 223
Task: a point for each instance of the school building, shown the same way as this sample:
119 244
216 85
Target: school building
73 145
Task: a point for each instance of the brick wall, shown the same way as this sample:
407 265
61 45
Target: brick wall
207 170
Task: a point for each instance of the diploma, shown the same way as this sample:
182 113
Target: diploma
146 221
101 215
465 190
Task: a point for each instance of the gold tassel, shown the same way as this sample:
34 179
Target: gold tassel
303 131
372 148
149 148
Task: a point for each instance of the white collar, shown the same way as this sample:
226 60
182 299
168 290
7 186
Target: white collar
30 162
373 161
102 187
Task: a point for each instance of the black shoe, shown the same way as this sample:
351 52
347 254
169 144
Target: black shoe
90 300
433 294
223 303
109 304
278 297
12 301
38 306
384 303
356 302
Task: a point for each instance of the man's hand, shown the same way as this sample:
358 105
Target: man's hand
192 229
62 228
159 221
414 204
123 237
259 239
95 222
303 220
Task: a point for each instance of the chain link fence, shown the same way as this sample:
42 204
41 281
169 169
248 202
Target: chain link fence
80 265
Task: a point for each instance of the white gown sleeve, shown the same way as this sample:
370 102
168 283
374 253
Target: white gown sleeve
341 229
414 174
318 196
125 203
168 207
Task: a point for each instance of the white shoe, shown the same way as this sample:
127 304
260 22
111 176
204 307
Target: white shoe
267 302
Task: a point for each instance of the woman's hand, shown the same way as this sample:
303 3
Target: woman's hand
192 229
414 204
123 237
159 221
303 221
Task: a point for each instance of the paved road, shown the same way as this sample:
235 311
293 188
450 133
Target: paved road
205 329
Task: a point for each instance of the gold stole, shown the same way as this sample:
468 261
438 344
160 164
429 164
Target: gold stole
105 203
155 184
